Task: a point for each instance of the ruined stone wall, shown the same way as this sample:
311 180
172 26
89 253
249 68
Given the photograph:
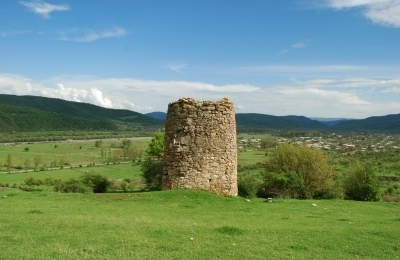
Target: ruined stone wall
200 146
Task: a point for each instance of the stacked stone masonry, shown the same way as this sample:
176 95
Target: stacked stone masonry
200 146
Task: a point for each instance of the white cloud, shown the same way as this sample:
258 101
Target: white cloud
44 9
298 45
88 35
11 33
391 90
318 97
305 69
324 95
178 66
97 97
281 52
384 12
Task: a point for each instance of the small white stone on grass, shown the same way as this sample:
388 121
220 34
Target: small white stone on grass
191 238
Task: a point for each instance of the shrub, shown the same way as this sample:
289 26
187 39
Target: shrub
51 182
391 198
298 172
128 186
116 184
30 181
97 182
248 186
361 184
29 188
280 185
72 186
151 172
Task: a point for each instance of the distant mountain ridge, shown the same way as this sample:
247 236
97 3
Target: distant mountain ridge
157 115
247 121
34 113
330 121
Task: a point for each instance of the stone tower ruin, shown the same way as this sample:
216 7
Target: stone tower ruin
200 149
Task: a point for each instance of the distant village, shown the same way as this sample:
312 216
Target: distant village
337 142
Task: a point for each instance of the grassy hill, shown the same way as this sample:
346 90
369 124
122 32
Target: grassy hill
189 224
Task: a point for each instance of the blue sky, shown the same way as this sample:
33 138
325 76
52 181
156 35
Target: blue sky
325 58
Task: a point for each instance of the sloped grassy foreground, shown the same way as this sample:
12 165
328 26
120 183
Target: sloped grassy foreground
188 224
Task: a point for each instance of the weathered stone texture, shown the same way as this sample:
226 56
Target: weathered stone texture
200 146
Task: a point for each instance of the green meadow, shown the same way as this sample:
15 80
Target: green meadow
178 224
188 224
75 152
113 171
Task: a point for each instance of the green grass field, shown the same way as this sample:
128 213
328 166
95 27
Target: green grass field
188 224
181 224
113 171
251 157
75 152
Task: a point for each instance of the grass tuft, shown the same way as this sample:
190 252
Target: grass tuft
232 231
35 211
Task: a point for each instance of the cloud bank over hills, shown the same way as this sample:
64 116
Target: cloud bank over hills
315 98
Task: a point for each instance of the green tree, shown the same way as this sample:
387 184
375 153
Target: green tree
156 145
151 172
126 143
361 184
9 162
268 143
27 163
299 172
53 163
98 143
151 167
37 160
63 160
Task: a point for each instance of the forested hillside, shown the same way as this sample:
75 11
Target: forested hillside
115 118
15 118
388 123
32 113
261 121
